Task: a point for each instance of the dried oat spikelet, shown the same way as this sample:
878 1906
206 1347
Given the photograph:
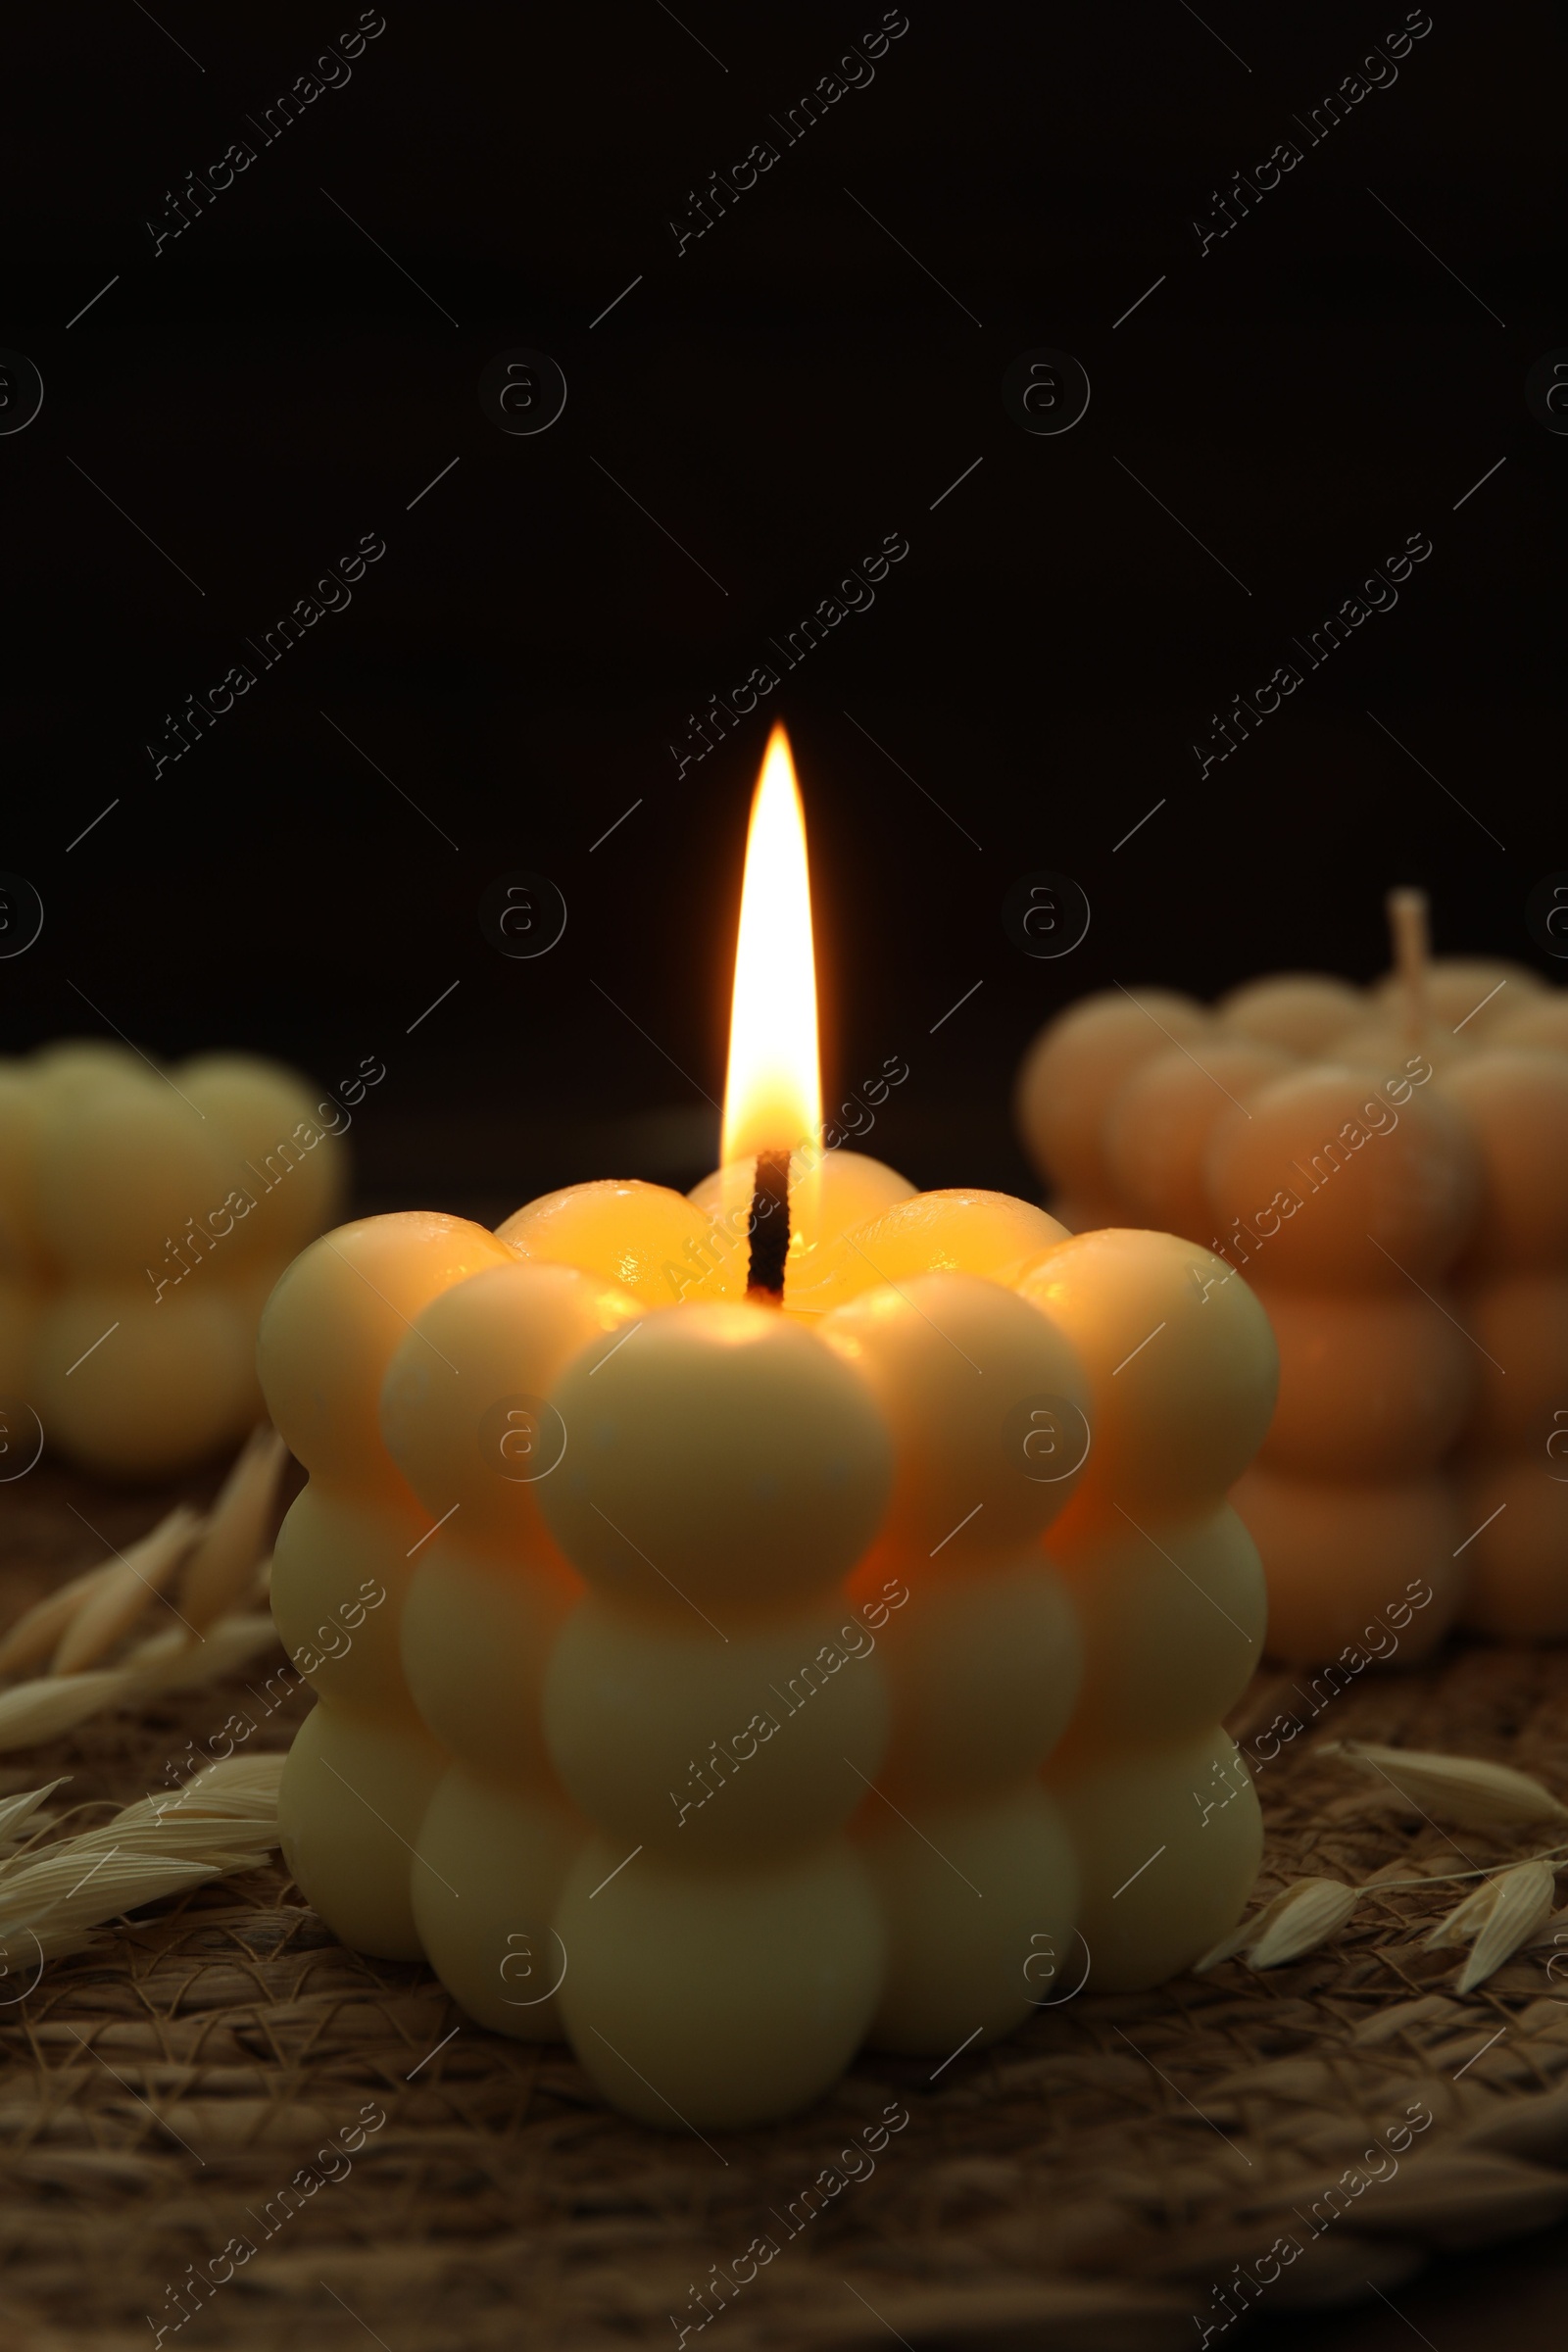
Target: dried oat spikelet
222 1570
238 1788
51 1897
1304 1915
33 1712
19 1809
96 1614
1383 2023
169 1661
1502 1915
107 1614
1469 1792
36 1634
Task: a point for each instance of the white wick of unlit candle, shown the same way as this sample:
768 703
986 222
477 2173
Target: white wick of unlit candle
1408 926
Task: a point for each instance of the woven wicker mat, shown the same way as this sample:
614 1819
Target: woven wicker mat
1092 2181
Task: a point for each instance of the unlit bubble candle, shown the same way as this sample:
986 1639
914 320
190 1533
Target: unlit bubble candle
143 1220
1386 1169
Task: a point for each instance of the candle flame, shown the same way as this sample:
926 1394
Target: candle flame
773 1088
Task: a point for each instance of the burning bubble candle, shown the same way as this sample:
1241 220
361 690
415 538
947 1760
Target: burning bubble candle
728 1708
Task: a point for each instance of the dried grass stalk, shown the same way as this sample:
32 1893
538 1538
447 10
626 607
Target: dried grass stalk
222 1570
1469 1792
35 1634
57 1901
36 1711
1499 1919
106 1616
1524 1898
51 1897
1403 2018
93 1619
1304 1915
1460 1923
19 1809
1314 1910
234 1789
172 1662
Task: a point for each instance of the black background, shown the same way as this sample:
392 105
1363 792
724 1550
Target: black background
791 387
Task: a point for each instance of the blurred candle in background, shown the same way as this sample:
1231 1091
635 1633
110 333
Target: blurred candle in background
1386 1169
144 1216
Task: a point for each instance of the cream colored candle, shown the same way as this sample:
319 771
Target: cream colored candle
1445 1007
728 1702
1394 1193
363 1767
655 1245
1300 1012
1512 1296
830 1193
1347 1196
1542 1020
1071 1076
1159 1124
143 1219
1183 1371
1480 995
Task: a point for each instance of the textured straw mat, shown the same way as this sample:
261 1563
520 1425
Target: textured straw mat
1092 2181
